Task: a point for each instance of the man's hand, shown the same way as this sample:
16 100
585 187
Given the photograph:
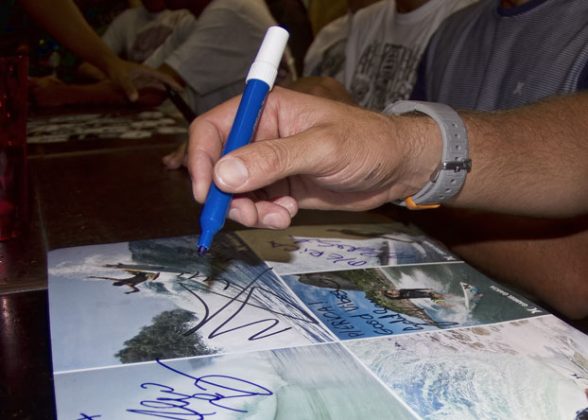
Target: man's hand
309 152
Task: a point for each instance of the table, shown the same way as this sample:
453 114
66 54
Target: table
100 128
78 198
83 197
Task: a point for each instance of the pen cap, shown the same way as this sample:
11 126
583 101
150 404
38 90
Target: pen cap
266 64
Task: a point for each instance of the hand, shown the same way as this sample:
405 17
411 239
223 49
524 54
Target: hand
311 153
131 76
177 158
44 93
45 81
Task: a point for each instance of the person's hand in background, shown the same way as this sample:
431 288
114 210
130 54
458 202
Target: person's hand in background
130 77
80 38
177 158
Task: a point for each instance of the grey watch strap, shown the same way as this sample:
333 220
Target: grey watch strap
455 163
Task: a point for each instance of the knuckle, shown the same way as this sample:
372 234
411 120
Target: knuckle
331 146
274 157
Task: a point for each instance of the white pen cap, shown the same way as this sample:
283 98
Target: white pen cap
266 64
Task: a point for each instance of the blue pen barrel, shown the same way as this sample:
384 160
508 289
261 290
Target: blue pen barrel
247 115
218 202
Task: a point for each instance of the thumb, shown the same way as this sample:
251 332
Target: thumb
264 162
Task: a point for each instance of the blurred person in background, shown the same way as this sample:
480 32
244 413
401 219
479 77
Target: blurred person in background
208 56
80 38
137 32
370 56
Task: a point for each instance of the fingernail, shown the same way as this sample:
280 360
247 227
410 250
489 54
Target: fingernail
289 204
231 172
234 214
272 220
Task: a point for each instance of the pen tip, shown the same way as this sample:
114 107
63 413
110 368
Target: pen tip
202 250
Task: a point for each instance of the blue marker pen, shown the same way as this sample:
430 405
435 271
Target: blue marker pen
260 80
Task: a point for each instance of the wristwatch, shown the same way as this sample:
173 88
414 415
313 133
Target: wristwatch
450 175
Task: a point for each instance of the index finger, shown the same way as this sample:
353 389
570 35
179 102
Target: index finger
285 113
208 133
129 88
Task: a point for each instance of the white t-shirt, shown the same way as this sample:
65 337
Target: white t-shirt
326 54
215 58
136 34
385 47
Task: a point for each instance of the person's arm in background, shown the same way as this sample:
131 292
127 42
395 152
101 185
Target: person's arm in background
63 20
87 71
103 92
114 38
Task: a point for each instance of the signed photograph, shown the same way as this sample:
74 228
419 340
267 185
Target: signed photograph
308 249
358 321
311 382
396 300
528 369
134 302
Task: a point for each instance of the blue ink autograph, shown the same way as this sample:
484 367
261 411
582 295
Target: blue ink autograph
215 390
322 248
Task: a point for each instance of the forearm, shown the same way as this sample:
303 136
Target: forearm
531 160
89 72
103 93
64 21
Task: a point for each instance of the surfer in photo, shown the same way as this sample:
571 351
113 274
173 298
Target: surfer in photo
137 278
416 293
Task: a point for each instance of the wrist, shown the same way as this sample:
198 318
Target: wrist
423 150
110 65
449 177
100 93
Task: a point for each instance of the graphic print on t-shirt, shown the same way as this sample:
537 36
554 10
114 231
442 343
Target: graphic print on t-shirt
385 73
332 60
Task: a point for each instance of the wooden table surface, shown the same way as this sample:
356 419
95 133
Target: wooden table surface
81 197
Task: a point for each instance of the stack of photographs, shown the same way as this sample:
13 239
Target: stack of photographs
314 322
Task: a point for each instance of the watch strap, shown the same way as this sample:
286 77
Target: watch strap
450 175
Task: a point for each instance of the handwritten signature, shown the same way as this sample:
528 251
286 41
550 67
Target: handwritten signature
338 316
244 297
218 391
356 256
